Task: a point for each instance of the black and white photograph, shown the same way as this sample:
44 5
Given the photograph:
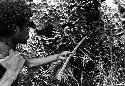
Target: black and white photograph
62 42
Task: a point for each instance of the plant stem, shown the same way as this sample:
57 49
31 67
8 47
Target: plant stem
64 66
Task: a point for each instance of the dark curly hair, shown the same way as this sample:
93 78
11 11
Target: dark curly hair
13 14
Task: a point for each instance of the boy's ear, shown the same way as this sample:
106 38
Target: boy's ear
17 29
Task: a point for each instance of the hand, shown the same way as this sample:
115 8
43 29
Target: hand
64 55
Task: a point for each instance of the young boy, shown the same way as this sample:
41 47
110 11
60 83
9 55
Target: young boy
14 23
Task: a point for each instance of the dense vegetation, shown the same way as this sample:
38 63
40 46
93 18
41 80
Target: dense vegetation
60 27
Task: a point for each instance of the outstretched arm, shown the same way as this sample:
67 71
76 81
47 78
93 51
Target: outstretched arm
42 61
46 60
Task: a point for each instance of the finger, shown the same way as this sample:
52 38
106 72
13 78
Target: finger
67 54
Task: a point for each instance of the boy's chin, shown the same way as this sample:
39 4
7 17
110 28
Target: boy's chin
24 42
21 41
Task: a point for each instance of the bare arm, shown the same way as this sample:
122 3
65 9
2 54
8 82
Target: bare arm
42 61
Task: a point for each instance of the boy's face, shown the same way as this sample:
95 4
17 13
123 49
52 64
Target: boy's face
22 35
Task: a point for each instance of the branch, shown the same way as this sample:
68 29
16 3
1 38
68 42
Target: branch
64 66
